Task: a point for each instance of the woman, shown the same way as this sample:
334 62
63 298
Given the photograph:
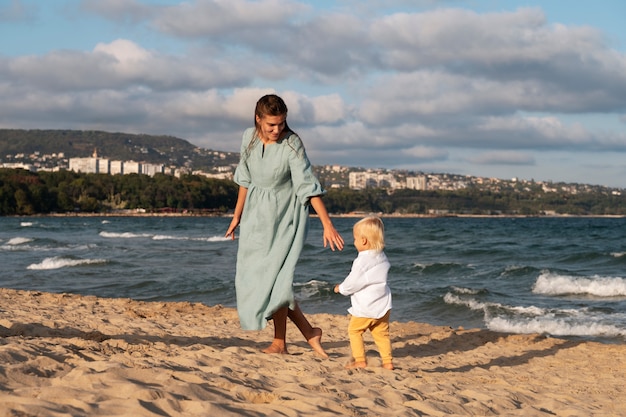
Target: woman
276 188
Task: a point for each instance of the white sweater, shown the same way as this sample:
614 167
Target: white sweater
367 285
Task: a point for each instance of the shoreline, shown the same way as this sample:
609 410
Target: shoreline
68 354
132 213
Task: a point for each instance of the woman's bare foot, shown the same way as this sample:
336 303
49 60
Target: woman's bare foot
388 366
276 347
353 365
316 342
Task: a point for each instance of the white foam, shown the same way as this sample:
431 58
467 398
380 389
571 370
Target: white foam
310 288
486 307
167 237
554 284
461 290
18 241
552 326
215 239
26 224
58 262
128 235
125 235
470 303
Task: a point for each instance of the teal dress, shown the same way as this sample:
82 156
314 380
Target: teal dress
274 224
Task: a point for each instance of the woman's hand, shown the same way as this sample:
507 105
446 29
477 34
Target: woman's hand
332 238
231 229
241 199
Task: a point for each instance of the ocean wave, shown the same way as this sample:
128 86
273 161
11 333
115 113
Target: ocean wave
197 239
215 239
129 235
16 241
123 235
59 262
532 319
470 291
26 224
489 307
555 284
440 267
554 326
168 237
311 289
16 244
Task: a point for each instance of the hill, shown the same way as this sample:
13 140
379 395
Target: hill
167 150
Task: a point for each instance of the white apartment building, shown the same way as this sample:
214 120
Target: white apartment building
91 165
104 166
132 167
18 165
85 165
152 169
116 167
417 183
362 180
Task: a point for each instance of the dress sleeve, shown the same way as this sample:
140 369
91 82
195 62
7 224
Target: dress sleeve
242 173
305 184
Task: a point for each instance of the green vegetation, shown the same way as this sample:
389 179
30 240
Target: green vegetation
27 193
474 201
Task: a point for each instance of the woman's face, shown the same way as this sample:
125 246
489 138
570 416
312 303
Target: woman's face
271 127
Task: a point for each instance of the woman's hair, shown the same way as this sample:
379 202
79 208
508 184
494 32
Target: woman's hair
373 229
270 105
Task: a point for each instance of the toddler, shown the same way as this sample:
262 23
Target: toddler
369 293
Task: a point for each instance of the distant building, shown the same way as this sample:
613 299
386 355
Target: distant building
152 169
132 167
19 165
84 165
362 180
116 167
417 183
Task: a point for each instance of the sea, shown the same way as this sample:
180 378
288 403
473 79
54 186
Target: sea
558 276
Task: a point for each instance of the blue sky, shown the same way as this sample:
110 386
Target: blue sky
525 89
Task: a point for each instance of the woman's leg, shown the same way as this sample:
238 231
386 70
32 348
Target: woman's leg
313 335
279 344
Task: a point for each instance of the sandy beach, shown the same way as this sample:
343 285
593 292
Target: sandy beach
71 355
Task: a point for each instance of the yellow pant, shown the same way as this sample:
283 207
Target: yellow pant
380 332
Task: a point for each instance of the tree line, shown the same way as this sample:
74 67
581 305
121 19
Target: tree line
28 193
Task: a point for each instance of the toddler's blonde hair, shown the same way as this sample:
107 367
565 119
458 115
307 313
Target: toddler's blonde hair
373 229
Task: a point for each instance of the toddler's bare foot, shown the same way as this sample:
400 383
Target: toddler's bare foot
316 342
353 365
388 366
276 348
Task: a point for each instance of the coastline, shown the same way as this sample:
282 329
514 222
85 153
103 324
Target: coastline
67 354
133 213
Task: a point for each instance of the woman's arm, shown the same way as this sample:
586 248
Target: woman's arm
241 200
331 236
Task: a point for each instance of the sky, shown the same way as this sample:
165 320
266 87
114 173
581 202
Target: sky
532 90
